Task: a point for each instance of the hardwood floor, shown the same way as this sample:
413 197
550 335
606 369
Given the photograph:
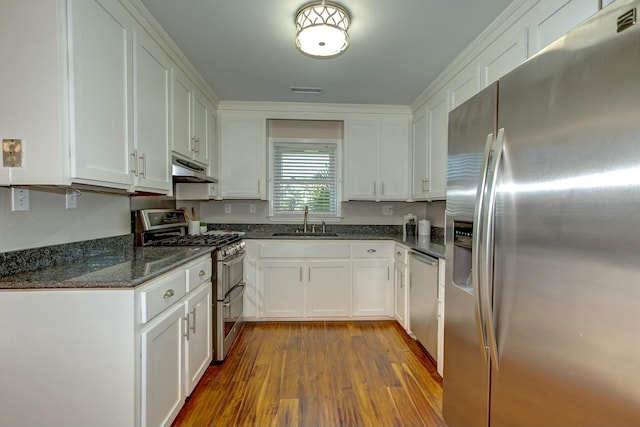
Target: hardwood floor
319 374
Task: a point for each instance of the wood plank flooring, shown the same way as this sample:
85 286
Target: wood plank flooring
319 374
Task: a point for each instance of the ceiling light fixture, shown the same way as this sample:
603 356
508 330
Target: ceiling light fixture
321 29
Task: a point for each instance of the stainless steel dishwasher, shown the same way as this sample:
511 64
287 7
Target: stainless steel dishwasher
423 301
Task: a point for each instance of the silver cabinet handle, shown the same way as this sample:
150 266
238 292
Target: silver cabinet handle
202 273
371 251
143 167
193 328
300 274
134 163
374 188
186 328
398 253
401 280
169 293
382 188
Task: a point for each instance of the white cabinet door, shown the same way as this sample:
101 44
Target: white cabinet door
420 156
430 127
400 294
181 112
162 389
152 84
377 159
101 75
504 55
200 131
198 345
242 162
437 134
214 151
551 19
372 290
282 289
328 289
394 160
363 146
464 85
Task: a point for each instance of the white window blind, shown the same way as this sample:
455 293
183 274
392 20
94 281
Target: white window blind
304 174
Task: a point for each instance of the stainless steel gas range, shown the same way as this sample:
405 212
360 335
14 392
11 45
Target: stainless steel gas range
168 227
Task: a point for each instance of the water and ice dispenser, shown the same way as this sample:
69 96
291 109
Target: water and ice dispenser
462 243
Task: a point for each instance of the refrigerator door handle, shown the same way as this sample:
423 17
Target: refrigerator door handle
478 229
486 261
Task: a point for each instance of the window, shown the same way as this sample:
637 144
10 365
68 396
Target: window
304 173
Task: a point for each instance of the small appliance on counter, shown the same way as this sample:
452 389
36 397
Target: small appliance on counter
409 225
424 228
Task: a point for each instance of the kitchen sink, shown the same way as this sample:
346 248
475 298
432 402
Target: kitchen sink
289 234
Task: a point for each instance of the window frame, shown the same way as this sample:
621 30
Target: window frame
298 216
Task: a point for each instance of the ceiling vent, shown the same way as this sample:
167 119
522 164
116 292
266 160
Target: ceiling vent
307 90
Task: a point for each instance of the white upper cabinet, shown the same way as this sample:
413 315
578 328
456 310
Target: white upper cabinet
504 55
430 149
102 92
551 19
464 86
242 157
190 110
377 159
152 112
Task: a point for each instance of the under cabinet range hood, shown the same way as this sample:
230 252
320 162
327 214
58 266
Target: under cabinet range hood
187 172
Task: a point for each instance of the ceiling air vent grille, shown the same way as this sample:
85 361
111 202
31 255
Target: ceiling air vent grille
307 90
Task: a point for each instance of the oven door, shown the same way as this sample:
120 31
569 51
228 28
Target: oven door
231 274
229 320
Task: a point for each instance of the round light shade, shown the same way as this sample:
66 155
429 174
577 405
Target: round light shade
321 29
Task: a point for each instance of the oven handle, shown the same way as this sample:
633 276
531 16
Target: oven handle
233 261
237 297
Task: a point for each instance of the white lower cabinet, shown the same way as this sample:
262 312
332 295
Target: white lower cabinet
282 289
401 293
372 288
299 288
328 289
323 280
176 346
198 344
161 368
129 355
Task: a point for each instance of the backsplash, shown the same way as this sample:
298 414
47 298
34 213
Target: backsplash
28 260
437 233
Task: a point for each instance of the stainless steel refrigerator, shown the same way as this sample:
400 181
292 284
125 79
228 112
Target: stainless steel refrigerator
542 315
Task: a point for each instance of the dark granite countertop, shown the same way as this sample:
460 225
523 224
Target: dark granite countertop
114 270
423 245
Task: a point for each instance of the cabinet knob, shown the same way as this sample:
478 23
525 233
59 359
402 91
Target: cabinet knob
371 251
169 293
202 273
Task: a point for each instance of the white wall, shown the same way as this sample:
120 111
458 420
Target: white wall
49 223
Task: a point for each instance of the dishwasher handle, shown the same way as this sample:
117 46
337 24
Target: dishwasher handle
424 258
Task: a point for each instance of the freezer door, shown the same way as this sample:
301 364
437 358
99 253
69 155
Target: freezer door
567 238
466 369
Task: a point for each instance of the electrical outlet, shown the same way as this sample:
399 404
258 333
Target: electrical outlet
19 199
71 199
227 208
252 208
387 210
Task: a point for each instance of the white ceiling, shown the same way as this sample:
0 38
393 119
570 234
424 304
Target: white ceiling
245 49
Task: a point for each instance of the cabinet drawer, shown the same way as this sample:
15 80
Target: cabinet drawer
198 273
164 292
372 250
305 250
401 254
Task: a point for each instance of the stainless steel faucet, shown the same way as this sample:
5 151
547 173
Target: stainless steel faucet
306 215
